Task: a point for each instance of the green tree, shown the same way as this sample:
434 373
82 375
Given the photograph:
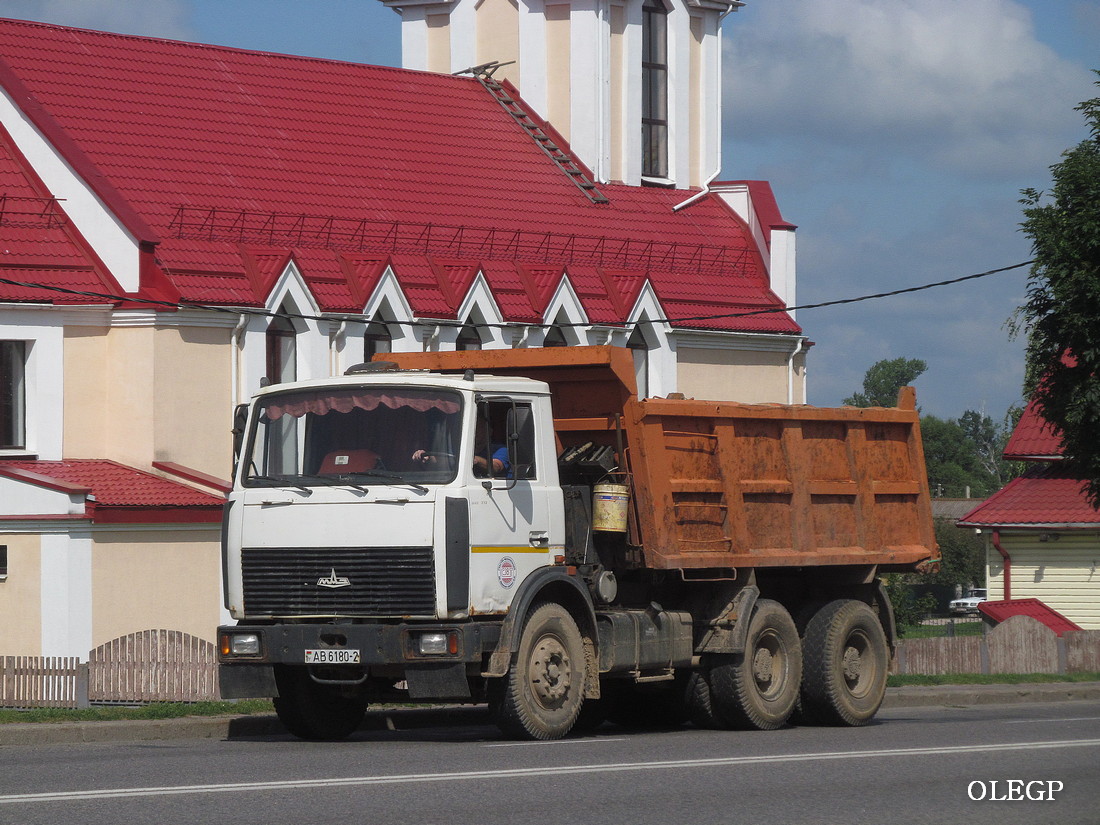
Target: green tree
883 380
1061 313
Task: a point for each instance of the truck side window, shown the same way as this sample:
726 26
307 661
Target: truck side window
505 440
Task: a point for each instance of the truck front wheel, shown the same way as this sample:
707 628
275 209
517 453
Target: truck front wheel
758 689
846 661
541 696
313 711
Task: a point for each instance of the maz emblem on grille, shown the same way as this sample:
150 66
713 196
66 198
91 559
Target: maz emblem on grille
333 581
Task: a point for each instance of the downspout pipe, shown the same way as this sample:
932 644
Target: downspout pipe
790 370
1008 564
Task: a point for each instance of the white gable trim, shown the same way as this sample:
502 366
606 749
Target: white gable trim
479 306
565 301
110 240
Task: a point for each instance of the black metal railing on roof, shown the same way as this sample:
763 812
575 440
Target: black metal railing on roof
367 235
32 213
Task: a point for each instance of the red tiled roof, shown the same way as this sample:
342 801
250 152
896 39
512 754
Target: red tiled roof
1036 609
1033 437
39 245
1047 495
206 149
117 487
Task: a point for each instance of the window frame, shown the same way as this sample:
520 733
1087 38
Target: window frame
13 395
655 131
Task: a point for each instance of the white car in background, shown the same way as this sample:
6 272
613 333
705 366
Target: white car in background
968 604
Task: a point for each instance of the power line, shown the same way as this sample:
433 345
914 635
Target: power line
447 322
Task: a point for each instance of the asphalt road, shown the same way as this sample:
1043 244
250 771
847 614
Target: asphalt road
914 765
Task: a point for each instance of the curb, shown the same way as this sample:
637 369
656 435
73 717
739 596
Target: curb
257 727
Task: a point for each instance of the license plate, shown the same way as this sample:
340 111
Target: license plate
332 656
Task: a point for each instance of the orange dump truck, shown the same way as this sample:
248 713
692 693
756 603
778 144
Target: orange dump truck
516 527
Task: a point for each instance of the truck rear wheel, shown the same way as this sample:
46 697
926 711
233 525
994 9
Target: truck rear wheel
758 689
846 659
313 711
542 694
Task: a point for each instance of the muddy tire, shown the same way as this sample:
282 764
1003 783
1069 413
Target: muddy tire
758 689
698 701
313 711
846 659
541 696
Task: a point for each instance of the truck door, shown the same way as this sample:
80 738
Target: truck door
510 504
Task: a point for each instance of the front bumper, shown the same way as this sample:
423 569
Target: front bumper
395 646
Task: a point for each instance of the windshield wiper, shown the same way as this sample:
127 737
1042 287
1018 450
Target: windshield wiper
391 477
281 482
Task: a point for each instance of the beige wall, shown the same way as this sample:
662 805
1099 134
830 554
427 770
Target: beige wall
695 118
21 597
1064 574
439 43
139 394
748 377
557 67
86 359
498 37
618 84
146 581
191 400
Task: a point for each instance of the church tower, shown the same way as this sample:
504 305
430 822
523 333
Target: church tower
633 85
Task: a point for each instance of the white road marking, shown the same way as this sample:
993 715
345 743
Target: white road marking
1055 719
598 741
513 773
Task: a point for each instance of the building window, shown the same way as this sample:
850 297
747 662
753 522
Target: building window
281 350
3 562
468 338
377 339
13 395
654 90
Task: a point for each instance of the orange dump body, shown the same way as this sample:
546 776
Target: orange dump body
719 484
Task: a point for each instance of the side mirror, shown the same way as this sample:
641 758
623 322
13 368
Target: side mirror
240 419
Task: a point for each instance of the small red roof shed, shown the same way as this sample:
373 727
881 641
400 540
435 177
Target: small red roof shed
999 611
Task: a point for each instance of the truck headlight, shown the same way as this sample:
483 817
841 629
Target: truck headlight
437 644
240 644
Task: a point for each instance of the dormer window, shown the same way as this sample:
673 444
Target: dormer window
377 339
281 351
468 338
654 90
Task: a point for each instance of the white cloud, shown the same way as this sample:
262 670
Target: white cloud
156 18
964 86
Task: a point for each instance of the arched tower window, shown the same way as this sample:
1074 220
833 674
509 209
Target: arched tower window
654 90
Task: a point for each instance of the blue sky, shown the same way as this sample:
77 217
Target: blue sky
897 135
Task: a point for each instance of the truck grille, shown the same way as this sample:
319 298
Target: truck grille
338 581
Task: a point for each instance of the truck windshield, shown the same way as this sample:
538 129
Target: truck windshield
387 435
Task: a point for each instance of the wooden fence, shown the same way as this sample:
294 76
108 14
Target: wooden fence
151 666
39 681
1017 645
170 666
